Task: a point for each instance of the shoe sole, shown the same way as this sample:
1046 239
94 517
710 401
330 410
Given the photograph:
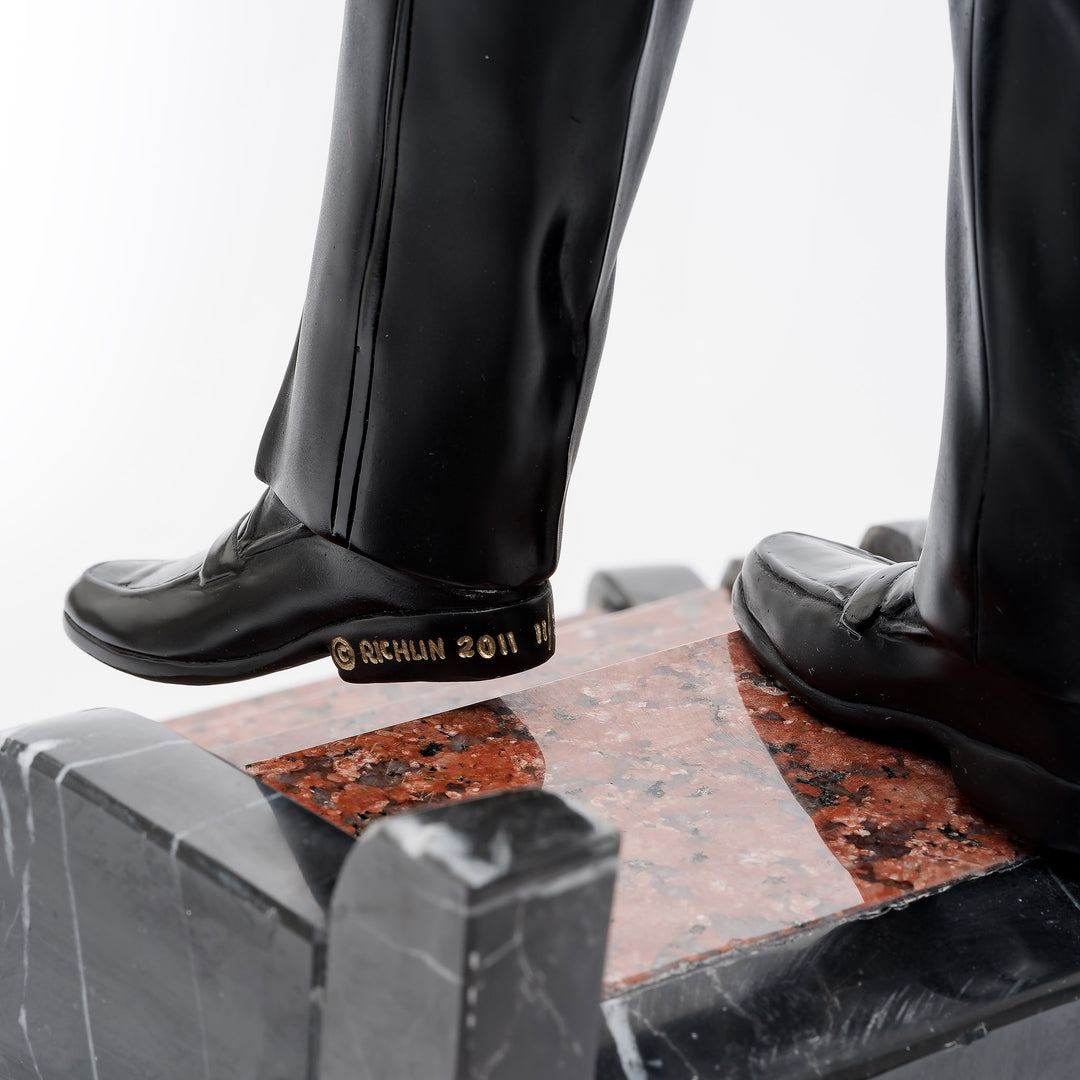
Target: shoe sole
1029 799
448 646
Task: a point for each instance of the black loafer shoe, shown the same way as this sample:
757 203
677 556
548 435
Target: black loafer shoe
842 630
271 594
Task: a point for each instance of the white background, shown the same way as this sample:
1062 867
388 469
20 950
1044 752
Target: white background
775 357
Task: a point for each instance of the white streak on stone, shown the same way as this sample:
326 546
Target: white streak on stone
26 1036
184 914
501 952
453 848
617 1018
173 848
262 800
15 919
537 889
25 760
136 752
536 982
75 924
425 958
9 845
671 1046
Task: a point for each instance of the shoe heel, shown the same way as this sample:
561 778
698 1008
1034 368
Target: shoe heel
457 646
1023 795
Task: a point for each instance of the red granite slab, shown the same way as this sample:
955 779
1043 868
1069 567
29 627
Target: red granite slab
891 814
459 754
742 814
331 709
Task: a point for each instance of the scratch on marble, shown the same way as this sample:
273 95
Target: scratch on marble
617 1018
536 981
1072 899
671 1046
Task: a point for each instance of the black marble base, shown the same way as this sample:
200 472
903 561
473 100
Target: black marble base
164 915
980 979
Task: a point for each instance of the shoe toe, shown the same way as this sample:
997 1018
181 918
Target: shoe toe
120 573
113 601
792 595
794 563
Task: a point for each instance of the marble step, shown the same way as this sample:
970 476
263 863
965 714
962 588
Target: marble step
409 881
764 855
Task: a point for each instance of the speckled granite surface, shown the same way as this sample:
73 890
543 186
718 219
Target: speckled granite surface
355 781
891 814
742 814
330 709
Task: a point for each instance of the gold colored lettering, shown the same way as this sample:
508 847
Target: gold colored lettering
343 654
421 655
502 645
401 651
465 647
485 646
367 653
384 649
436 649
510 638
539 634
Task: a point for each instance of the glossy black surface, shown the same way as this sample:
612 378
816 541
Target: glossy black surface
484 157
976 646
479 930
842 629
617 590
898 541
913 988
270 594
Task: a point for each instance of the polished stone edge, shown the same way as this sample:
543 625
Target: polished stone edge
199 809
857 997
166 912
167 915
480 927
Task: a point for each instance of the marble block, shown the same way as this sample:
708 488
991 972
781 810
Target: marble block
166 915
742 814
163 914
793 900
482 926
